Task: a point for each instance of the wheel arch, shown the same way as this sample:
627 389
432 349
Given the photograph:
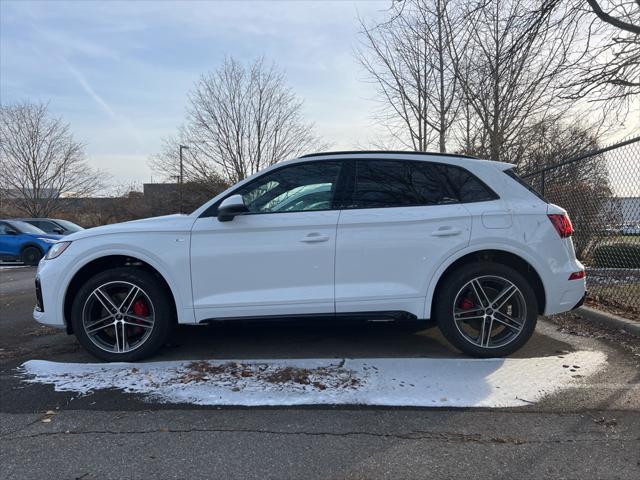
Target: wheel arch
26 245
504 257
108 262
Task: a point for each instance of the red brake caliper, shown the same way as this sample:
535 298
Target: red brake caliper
466 304
140 309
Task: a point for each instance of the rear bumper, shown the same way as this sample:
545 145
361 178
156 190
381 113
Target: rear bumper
581 302
564 295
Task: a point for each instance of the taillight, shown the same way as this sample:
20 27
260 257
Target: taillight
577 275
562 224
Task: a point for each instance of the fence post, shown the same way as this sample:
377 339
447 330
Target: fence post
542 182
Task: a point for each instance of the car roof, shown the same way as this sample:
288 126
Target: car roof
385 152
449 158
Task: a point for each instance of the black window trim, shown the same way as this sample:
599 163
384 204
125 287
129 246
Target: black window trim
344 190
512 173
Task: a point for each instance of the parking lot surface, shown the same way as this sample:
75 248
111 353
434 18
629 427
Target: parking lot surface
588 427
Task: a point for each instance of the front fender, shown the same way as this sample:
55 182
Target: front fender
170 259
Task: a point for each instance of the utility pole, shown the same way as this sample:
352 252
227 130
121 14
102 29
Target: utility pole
181 177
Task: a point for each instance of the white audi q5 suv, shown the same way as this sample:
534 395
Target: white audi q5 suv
373 235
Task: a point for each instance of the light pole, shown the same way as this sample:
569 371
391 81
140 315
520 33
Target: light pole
181 178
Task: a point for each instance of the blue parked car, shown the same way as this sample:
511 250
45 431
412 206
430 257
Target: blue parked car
21 241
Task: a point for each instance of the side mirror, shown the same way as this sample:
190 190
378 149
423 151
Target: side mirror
231 207
59 231
10 231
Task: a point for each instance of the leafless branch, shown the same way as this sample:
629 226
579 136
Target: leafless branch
40 160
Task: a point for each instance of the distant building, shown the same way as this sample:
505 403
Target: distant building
627 209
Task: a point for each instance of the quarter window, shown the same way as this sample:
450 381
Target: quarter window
464 186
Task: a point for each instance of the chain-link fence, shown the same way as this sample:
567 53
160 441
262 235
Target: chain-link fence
601 192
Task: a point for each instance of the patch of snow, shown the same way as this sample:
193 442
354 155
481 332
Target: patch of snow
430 382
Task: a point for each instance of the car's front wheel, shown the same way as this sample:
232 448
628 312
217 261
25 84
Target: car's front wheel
31 256
486 309
122 314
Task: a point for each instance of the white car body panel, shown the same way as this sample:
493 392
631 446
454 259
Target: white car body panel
270 264
383 259
162 242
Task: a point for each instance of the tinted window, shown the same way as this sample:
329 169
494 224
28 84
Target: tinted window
401 183
4 228
302 187
464 186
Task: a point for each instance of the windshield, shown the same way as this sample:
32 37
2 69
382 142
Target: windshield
24 227
69 226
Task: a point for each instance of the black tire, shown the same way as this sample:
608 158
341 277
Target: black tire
447 295
156 293
31 256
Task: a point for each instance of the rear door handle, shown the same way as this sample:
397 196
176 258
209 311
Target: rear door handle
446 232
315 237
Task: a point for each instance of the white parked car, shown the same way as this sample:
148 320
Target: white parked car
373 235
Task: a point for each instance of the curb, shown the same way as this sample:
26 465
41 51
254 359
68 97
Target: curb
609 320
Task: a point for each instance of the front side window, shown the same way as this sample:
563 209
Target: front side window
403 183
298 188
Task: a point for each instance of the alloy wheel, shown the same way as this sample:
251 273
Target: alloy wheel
118 317
489 311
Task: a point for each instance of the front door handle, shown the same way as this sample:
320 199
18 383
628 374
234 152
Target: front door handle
315 238
446 232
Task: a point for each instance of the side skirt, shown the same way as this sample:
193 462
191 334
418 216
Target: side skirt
350 317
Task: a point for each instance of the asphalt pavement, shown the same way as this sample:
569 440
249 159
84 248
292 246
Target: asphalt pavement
590 430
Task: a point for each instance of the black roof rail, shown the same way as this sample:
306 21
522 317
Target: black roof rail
399 152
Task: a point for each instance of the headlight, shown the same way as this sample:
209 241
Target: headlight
56 250
47 240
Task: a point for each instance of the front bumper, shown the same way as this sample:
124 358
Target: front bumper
49 293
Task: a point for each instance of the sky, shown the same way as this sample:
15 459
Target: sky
119 72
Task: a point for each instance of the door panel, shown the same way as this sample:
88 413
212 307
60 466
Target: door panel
269 264
385 256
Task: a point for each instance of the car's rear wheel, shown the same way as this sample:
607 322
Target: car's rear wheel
31 256
122 314
486 309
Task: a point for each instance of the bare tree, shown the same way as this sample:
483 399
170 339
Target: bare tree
407 57
240 119
621 19
510 68
610 71
40 160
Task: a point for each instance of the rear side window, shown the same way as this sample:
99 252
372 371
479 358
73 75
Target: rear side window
402 183
512 173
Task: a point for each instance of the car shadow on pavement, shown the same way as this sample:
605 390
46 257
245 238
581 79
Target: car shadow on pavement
255 340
